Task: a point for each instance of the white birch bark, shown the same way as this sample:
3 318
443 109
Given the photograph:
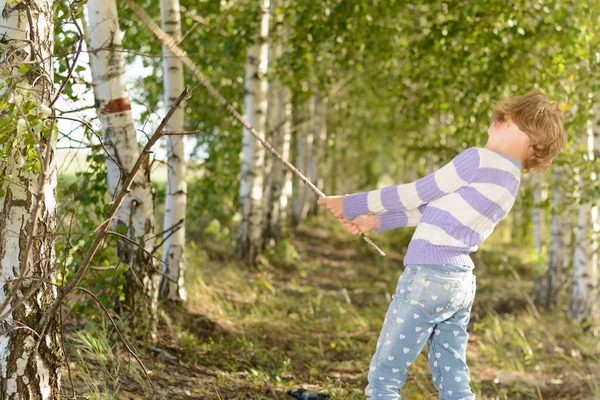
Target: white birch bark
303 144
280 108
271 130
250 236
311 155
24 375
538 217
333 160
281 185
583 305
135 218
318 152
173 255
559 252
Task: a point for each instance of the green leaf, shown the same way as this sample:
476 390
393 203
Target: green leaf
36 167
32 154
24 68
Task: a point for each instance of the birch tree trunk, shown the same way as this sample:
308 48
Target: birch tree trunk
172 284
271 131
319 146
313 149
135 218
538 217
280 111
303 144
250 236
281 182
27 32
559 257
583 306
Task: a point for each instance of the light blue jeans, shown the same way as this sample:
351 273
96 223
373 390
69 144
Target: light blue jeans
432 304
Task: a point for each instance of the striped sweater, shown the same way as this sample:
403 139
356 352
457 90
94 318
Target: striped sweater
454 208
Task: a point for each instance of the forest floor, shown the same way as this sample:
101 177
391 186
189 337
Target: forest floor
309 317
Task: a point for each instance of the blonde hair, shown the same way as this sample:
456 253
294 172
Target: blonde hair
539 119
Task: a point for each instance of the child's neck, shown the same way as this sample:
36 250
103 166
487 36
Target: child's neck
510 151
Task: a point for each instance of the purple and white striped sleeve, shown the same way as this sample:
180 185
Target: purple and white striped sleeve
397 219
455 174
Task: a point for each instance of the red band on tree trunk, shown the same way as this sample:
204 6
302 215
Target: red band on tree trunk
117 105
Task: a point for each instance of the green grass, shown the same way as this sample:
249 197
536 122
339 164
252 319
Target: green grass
310 314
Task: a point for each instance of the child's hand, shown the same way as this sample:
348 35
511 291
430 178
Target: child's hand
350 226
362 223
334 204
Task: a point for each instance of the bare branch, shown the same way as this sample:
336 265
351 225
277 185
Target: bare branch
133 243
76 110
105 268
182 133
168 230
173 229
95 134
79 46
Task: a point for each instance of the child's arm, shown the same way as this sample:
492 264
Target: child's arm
397 219
380 222
455 174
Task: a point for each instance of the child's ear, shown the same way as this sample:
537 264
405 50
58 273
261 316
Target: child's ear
530 152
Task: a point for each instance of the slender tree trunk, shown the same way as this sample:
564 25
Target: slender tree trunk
280 221
172 285
583 306
250 237
271 130
280 111
24 375
319 146
520 224
539 195
559 259
312 163
135 218
303 142
281 187
332 156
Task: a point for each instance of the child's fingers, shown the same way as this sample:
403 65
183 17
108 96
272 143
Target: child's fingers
351 227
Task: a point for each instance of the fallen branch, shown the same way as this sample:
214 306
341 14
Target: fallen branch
168 41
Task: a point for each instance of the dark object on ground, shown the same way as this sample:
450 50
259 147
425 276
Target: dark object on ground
303 394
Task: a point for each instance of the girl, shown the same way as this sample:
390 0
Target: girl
454 209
